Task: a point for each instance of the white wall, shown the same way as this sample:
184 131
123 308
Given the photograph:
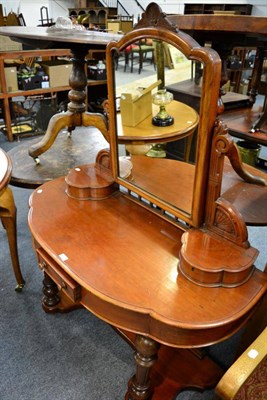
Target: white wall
177 7
31 8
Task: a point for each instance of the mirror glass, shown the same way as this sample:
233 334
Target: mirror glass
158 92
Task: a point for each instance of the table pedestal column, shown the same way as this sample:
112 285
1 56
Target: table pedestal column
76 114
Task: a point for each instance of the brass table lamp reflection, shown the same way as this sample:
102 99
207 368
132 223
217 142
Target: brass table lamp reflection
162 98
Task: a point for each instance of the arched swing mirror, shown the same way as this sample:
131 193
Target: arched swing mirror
145 119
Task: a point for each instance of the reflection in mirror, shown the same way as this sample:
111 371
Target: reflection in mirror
156 123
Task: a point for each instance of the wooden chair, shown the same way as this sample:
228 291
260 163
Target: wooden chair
8 214
141 50
246 379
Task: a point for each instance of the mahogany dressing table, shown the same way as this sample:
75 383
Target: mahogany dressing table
171 271
8 215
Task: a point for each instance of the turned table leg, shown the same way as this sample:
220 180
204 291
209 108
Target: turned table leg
51 296
8 215
76 106
145 357
55 300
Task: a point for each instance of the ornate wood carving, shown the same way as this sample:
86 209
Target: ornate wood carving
229 223
153 16
222 217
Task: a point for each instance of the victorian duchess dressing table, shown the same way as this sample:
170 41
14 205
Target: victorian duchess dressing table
155 252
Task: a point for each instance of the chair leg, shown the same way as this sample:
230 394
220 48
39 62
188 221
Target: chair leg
8 215
140 62
132 61
126 59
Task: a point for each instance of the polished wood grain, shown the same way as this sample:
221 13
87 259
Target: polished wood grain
93 181
132 236
8 214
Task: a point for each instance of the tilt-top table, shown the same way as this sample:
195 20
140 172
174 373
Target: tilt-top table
79 42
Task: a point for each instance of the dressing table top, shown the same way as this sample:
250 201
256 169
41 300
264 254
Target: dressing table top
125 259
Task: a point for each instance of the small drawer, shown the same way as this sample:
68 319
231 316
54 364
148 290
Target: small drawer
65 283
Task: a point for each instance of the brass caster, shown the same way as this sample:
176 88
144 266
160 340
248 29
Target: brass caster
69 134
19 287
37 160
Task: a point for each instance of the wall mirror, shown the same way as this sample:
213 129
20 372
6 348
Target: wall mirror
145 119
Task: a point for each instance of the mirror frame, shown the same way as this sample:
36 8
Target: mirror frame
155 25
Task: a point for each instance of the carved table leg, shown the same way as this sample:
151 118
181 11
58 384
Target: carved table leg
76 107
8 215
56 124
145 357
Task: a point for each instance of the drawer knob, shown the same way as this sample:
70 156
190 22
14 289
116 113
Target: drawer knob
42 265
63 285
